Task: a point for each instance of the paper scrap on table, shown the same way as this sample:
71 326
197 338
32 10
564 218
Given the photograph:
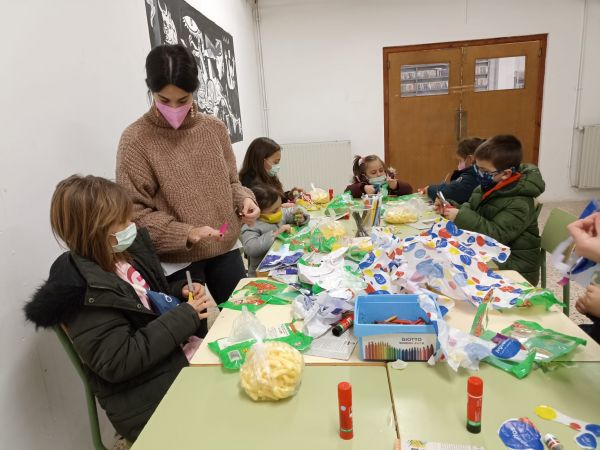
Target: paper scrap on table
399 365
334 347
414 444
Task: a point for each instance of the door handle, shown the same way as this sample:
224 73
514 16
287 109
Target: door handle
460 123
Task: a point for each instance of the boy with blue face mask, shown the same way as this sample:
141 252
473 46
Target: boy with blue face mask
504 206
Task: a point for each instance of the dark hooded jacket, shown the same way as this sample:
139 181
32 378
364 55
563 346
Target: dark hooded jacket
509 215
130 354
461 186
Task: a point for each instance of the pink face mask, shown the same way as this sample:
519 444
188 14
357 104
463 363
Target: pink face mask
175 116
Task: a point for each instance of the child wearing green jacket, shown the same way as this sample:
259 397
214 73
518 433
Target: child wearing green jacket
504 206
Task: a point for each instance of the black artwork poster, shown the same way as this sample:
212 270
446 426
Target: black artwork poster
173 22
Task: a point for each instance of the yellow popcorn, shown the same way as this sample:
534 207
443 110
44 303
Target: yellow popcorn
332 229
399 215
319 196
272 371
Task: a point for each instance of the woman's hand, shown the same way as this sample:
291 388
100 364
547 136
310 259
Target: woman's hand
201 300
199 233
392 183
250 212
585 235
423 190
369 189
438 206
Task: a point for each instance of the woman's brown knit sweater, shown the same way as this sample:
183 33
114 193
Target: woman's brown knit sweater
181 179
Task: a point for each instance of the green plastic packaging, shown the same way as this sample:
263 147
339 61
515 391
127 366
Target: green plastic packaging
339 205
233 355
537 297
544 346
547 344
257 293
519 369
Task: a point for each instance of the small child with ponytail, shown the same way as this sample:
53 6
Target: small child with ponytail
370 174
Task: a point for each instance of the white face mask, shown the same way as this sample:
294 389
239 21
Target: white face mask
377 181
274 170
124 238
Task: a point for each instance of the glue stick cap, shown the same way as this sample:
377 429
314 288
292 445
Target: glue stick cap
345 391
475 386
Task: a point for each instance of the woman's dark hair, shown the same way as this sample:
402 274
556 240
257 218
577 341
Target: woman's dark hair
359 166
467 146
266 195
171 64
253 169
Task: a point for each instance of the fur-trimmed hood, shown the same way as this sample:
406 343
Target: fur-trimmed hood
60 297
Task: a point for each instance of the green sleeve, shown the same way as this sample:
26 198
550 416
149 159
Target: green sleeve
506 226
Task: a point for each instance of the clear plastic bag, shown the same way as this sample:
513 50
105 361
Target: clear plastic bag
318 195
272 371
404 211
247 326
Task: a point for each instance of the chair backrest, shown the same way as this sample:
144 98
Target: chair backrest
89 395
555 229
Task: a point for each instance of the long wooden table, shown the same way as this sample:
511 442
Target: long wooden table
460 317
206 409
430 402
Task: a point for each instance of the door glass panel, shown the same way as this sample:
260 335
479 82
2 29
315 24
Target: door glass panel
423 79
496 74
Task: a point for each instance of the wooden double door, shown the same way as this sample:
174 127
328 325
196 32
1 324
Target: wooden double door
437 94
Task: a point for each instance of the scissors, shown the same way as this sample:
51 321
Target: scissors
445 203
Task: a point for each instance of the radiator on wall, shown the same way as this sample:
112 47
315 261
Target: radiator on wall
588 172
326 164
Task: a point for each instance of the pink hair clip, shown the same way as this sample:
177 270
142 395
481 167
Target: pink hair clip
361 160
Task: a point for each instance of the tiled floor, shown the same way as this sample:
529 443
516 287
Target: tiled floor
553 277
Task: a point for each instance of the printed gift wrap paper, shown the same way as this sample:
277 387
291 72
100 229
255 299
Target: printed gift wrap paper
448 260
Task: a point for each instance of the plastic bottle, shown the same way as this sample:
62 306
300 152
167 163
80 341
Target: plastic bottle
552 443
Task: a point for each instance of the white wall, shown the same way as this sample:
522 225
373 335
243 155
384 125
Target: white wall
324 79
72 78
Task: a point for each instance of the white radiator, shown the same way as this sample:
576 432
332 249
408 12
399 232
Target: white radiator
326 164
589 159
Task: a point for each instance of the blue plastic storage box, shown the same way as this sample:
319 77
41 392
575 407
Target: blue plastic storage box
389 342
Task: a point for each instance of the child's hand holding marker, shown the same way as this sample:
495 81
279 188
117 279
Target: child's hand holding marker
196 295
392 182
283 229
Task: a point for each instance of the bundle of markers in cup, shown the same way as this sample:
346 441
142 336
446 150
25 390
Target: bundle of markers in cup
373 205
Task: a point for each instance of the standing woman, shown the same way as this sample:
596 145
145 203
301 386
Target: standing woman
181 173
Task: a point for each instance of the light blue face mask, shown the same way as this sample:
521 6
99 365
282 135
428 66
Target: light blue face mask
124 238
274 170
377 181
